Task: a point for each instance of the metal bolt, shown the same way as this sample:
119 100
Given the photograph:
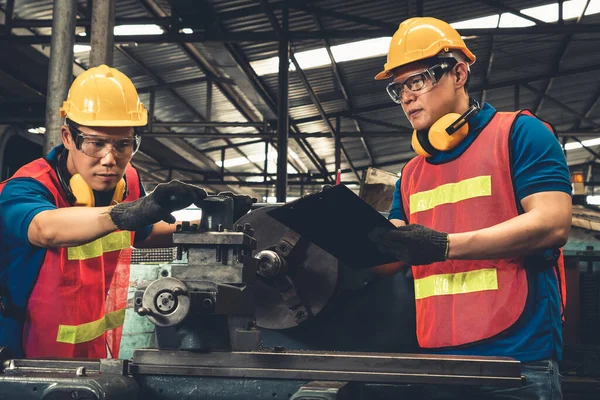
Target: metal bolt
185 225
144 311
177 291
207 303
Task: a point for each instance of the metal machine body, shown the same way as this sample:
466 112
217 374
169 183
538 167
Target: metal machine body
258 312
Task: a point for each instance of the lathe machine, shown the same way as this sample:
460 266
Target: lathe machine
258 312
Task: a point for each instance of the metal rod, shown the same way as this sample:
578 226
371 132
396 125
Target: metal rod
262 137
204 124
283 110
151 111
85 22
266 167
60 71
8 17
592 152
222 164
102 37
209 99
338 145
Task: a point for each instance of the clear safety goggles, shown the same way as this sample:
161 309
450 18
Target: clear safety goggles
419 83
98 147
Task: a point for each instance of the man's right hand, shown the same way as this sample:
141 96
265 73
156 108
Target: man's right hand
157 206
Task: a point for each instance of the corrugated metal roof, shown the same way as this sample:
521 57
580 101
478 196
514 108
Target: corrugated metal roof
514 57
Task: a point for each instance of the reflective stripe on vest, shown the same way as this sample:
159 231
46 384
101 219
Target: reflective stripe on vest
451 193
111 242
74 334
457 283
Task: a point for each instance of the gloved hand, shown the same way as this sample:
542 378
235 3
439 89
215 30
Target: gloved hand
414 244
157 206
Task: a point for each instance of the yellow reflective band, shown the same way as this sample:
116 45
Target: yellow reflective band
74 334
451 193
111 242
458 283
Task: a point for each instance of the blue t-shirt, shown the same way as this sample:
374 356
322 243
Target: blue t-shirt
538 165
20 201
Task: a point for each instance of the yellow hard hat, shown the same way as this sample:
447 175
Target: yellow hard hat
104 96
421 38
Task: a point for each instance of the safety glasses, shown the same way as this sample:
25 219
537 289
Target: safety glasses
98 147
419 83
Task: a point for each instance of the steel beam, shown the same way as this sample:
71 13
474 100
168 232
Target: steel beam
262 37
340 81
500 6
563 106
562 50
474 89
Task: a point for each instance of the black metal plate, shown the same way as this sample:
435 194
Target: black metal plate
338 221
315 277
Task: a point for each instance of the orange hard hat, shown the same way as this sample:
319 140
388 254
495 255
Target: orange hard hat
421 38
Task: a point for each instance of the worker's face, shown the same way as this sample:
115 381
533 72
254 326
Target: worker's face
425 106
100 155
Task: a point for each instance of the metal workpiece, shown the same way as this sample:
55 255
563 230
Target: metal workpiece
296 279
208 238
166 302
349 367
67 379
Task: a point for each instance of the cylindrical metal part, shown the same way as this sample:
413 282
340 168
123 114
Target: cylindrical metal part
102 38
283 110
60 70
270 263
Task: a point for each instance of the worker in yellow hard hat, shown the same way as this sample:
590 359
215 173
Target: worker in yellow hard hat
68 222
481 213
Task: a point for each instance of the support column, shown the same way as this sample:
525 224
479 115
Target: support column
102 38
283 110
60 70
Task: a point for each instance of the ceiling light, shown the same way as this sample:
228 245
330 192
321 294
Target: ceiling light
150 29
81 48
38 131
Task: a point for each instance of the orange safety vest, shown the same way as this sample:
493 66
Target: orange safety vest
461 302
77 306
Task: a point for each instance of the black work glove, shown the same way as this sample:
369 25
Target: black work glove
413 244
157 206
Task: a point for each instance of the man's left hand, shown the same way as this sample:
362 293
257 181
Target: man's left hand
414 244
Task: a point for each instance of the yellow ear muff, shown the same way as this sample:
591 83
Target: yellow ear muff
420 144
84 195
439 137
119 194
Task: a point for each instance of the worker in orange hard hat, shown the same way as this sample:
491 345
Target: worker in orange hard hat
481 213
68 222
